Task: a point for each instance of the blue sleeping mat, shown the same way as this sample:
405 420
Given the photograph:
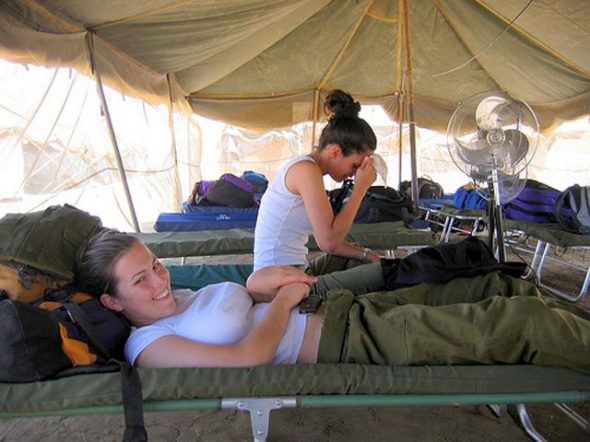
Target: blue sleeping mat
207 218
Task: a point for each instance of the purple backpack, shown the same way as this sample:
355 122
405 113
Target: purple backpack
535 203
230 191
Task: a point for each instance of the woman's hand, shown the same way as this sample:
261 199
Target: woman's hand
294 274
292 294
366 174
264 283
373 257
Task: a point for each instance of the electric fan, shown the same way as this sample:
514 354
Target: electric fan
492 138
380 167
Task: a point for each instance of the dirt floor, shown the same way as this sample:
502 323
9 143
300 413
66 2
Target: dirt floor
452 423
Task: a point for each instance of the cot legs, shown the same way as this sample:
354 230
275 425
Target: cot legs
498 410
526 422
573 415
523 416
259 409
450 220
537 265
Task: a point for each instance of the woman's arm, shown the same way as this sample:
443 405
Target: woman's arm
264 284
330 231
356 251
256 348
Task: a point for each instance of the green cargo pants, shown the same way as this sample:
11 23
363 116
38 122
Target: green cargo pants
335 272
490 319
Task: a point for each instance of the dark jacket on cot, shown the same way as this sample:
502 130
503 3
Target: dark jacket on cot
442 263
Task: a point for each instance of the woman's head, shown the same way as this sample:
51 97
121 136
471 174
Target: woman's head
120 270
345 128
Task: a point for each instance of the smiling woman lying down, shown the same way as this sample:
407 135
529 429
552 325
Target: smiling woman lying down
488 319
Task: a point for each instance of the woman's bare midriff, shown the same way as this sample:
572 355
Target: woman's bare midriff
311 339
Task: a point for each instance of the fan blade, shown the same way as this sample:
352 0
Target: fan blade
511 185
519 145
488 114
380 166
474 152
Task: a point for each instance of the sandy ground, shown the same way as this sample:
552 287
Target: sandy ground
452 423
350 424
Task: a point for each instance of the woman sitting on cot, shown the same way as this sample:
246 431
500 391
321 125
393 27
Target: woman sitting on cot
227 325
295 204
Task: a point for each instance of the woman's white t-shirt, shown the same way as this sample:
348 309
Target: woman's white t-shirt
282 226
220 314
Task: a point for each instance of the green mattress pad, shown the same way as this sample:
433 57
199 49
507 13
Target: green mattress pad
378 236
551 233
181 384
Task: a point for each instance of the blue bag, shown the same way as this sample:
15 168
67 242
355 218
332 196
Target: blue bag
535 203
466 198
258 180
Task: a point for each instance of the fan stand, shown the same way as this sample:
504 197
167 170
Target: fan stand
495 224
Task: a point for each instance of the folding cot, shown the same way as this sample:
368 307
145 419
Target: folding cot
379 236
548 237
262 389
436 203
445 215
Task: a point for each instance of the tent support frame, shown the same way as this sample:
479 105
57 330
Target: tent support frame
410 96
103 100
173 146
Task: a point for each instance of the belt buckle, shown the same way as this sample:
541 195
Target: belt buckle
310 304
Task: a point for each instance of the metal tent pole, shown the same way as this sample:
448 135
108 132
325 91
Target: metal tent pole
99 88
413 161
401 142
174 146
315 116
410 99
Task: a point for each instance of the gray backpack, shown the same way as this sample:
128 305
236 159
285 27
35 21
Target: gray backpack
572 209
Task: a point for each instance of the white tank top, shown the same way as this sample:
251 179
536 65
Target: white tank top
220 314
282 226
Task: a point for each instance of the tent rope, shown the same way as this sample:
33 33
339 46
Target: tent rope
486 47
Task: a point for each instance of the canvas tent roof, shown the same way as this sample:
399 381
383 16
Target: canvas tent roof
265 63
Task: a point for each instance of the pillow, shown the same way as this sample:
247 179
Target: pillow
51 240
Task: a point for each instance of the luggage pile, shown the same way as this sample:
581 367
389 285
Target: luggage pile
229 190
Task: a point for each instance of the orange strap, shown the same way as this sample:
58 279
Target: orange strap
77 351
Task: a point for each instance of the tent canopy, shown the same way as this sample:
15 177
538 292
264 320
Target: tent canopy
264 64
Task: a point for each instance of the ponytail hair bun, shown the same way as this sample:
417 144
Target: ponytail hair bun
339 104
345 128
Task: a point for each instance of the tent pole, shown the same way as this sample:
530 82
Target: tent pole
401 142
410 102
315 116
103 101
413 161
174 146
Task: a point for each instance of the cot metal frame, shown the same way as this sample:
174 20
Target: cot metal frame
259 408
541 254
448 218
